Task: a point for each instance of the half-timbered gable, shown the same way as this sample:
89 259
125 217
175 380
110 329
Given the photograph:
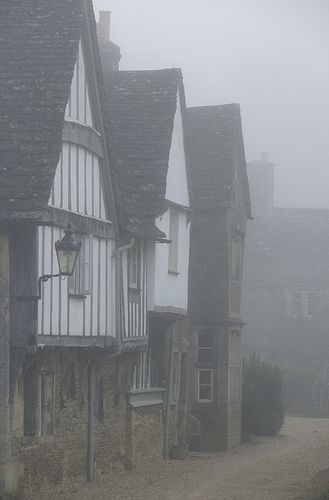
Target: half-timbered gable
147 120
55 174
154 161
84 304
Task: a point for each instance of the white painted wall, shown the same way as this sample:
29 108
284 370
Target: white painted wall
135 313
78 107
60 313
77 185
177 188
164 288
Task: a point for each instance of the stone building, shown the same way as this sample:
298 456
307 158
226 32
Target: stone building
286 279
92 371
221 207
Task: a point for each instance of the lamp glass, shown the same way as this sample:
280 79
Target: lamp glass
67 251
66 261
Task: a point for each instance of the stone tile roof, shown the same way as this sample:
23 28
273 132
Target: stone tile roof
142 109
215 143
38 45
290 247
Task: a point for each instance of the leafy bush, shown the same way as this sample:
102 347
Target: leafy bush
301 392
262 408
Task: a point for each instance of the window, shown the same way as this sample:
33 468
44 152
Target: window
173 236
205 385
141 374
79 282
205 348
133 268
236 260
235 366
302 303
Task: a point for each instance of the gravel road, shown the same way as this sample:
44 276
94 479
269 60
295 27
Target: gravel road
292 465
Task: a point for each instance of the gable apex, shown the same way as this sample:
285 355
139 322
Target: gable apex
78 107
177 186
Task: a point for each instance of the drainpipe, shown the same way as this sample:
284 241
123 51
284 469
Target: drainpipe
168 394
4 362
119 285
91 424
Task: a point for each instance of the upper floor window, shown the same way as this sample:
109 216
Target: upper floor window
302 303
205 348
205 385
133 268
79 282
236 260
141 373
173 236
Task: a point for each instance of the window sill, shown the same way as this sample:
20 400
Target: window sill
77 296
150 396
174 273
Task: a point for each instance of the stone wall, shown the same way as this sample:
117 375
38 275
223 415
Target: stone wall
122 434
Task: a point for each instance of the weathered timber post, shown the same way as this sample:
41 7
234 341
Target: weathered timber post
4 363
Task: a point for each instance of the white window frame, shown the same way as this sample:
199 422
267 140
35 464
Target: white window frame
211 370
173 255
304 302
133 266
142 372
209 348
234 366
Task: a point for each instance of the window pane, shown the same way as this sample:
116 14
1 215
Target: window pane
206 340
312 303
205 392
205 377
206 355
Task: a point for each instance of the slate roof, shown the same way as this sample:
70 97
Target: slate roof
216 143
290 247
142 109
38 45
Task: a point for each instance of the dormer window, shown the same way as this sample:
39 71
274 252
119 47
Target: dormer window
173 236
236 260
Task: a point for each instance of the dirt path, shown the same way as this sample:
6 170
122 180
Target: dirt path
270 468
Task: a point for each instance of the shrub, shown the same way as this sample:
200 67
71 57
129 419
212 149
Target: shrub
262 408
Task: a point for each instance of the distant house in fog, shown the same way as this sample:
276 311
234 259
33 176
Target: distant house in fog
285 300
221 207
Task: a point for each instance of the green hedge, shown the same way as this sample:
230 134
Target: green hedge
262 408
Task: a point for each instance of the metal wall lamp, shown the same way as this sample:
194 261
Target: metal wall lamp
67 251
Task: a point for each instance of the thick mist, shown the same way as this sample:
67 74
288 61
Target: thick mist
270 56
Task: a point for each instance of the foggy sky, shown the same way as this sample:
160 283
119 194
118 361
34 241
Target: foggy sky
271 56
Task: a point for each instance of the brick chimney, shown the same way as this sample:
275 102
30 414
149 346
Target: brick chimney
104 25
110 52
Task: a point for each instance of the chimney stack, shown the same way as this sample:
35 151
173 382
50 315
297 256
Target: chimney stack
261 185
104 25
264 157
